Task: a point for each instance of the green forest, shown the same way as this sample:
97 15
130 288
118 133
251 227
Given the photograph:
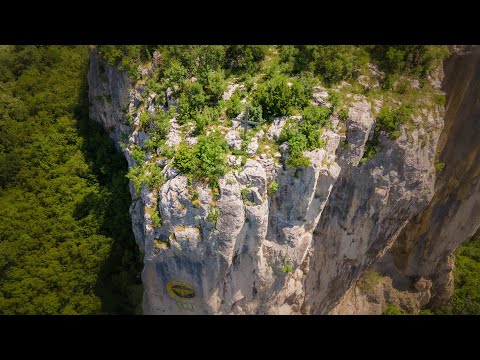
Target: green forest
466 295
66 243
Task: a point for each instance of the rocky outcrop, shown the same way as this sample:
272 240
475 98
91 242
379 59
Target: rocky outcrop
425 247
301 250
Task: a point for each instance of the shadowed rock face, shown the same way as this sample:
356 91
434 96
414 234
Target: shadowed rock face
368 206
426 246
300 250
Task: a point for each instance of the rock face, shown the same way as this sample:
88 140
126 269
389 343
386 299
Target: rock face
425 246
302 249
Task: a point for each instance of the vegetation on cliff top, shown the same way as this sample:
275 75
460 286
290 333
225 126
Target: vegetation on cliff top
278 81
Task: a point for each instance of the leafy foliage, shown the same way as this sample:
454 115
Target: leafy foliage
317 115
439 166
214 215
415 60
343 114
214 86
389 119
286 267
205 118
126 57
244 58
393 309
234 107
279 96
207 159
466 295
272 188
66 244
332 62
305 135
191 101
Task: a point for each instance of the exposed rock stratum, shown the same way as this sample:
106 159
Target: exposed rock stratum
303 249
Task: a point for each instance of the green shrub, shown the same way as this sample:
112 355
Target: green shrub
205 118
149 175
191 101
369 280
214 86
288 53
298 161
278 98
466 295
302 137
125 57
234 106
439 166
249 83
272 188
393 309
387 82
211 151
185 159
318 115
244 193
156 219
287 267
138 154
244 58
174 76
334 99
255 113
160 125
153 86
214 215
207 159
332 62
154 178
313 135
389 119
210 57
195 194
439 99
136 176
416 60
144 118
371 149
343 114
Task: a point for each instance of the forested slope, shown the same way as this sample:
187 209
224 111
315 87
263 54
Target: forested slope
66 245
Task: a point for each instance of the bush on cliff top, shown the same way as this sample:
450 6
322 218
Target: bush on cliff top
206 159
280 96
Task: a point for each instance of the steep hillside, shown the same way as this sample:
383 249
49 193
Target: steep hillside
285 219
66 243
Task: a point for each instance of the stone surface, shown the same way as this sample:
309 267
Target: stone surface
303 249
234 140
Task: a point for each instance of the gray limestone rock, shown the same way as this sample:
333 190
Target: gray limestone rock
244 249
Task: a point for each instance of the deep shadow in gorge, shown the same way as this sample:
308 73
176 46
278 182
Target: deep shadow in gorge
426 246
118 283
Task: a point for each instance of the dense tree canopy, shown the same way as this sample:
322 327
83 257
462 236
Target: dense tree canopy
466 295
66 244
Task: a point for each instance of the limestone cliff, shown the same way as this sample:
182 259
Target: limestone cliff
300 250
419 265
